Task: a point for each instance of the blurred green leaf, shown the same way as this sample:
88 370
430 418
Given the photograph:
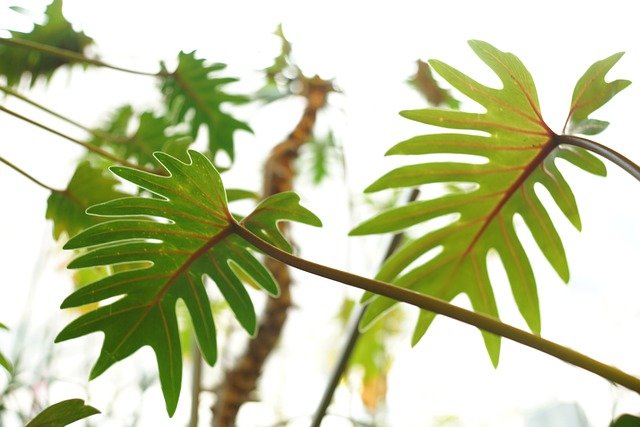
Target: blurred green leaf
88 186
63 413
626 420
592 92
519 152
179 236
4 362
195 96
17 62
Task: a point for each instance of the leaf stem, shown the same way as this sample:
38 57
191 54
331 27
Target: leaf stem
89 147
354 335
608 153
444 308
28 176
72 56
94 132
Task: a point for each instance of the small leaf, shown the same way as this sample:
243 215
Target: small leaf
88 186
179 236
63 413
17 63
592 92
588 127
235 194
626 420
195 96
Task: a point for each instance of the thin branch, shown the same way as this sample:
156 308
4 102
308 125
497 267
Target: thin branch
72 56
444 308
89 147
29 177
626 164
196 383
354 335
94 132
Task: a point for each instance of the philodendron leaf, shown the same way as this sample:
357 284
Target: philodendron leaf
63 413
519 151
195 96
4 362
17 62
592 92
183 234
88 186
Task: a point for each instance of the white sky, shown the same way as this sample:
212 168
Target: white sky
370 49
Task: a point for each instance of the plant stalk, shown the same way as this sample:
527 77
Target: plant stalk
626 164
87 129
354 334
71 56
29 177
89 147
444 308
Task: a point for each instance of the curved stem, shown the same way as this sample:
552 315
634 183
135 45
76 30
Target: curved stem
354 335
89 147
444 308
29 177
626 164
87 129
71 55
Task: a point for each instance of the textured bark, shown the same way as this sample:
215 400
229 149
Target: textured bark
241 380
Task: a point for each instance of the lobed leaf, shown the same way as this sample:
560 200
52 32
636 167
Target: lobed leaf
195 96
171 242
63 413
17 63
519 151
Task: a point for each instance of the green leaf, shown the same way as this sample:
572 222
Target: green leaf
424 82
626 420
592 92
519 151
195 96
88 185
17 62
153 133
4 362
183 234
63 413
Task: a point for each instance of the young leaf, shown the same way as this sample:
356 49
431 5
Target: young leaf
63 413
88 186
16 62
4 362
194 95
592 92
520 151
182 234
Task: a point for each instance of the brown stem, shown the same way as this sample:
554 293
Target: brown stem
241 380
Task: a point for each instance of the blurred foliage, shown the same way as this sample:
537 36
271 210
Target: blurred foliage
4 362
17 63
63 413
282 78
371 355
426 84
319 156
88 186
626 420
